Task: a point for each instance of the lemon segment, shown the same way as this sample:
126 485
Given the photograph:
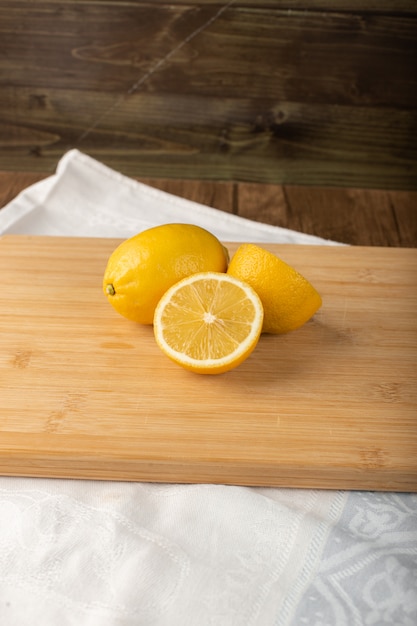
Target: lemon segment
209 322
289 300
142 268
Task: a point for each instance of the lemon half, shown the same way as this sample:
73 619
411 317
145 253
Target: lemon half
208 323
289 299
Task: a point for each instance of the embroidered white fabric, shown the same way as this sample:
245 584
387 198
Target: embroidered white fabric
141 554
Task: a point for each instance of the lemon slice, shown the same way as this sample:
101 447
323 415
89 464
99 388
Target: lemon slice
208 322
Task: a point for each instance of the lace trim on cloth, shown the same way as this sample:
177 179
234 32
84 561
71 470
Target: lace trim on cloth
139 554
368 570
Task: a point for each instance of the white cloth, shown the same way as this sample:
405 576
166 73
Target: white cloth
138 554
86 198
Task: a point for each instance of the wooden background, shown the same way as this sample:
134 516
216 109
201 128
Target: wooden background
282 111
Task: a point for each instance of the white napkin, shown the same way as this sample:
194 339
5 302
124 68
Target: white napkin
126 554
86 198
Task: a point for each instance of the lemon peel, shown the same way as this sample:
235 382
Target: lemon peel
142 268
289 299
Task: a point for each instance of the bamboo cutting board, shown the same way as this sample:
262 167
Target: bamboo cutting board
87 394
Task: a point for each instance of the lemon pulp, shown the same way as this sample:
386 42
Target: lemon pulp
209 322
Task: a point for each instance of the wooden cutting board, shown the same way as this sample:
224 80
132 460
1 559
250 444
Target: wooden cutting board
87 394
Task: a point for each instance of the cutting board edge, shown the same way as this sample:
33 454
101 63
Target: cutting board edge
242 474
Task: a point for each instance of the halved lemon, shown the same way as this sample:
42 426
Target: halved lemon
209 322
289 299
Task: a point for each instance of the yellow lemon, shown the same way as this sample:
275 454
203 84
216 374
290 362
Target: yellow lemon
209 322
143 267
289 300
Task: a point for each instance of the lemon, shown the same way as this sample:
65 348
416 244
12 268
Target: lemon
288 299
209 322
142 268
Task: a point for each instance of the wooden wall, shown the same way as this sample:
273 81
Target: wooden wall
313 92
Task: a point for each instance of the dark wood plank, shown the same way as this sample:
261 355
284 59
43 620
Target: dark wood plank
404 209
218 195
359 217
364 6
12 183
268 92
353 216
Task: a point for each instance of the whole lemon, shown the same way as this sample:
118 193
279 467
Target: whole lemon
289 299
142 268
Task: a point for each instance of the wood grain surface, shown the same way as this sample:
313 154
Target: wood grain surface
87 394
316 93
